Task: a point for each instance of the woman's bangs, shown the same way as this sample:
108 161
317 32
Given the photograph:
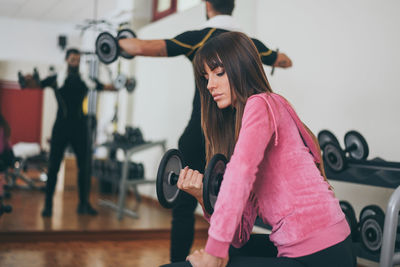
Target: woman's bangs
209 57
213 61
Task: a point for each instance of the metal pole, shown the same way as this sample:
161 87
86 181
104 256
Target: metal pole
92 105
388 256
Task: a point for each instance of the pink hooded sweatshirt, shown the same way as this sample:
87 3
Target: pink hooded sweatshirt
272 174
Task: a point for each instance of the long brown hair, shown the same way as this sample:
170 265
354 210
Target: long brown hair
237 54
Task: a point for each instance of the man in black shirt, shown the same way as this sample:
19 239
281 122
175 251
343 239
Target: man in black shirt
191 142
70 128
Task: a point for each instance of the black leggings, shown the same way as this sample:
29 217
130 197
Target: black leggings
74 133
260 252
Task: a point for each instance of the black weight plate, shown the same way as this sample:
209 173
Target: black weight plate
123 34
350 217
36 76
168 193
212 181
107 48
361 151
325 137
371 210
371 232
130 84
21 80
334 157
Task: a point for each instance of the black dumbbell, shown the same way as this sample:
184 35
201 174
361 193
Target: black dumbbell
356 145
107 48
49 81
122 81
335 157
21 80
371 232
134 135
130 84
168 174
136 170
350 218
326 136
35 77
371 210
372 219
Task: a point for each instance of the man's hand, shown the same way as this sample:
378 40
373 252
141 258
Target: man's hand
282 61
191 182
200 258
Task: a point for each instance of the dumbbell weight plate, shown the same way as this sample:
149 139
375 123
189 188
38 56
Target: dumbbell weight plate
325 137
107 48
371 210
350 217
212 181
21 80
167 192
353 138
371 232
130 84
123 34
120 81
334 157
36 76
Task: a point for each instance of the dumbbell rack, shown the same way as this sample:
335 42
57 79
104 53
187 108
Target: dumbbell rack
124 182
389 177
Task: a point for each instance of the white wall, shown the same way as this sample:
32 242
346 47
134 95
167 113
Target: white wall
346 65
29 40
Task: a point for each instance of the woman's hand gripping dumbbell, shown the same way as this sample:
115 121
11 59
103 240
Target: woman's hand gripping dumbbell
172 178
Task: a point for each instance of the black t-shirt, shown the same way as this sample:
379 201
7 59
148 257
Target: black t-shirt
71 95
187 44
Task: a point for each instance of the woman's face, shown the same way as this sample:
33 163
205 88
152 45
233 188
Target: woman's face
218 86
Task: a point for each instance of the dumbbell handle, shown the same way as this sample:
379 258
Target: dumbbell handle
173 178
351 148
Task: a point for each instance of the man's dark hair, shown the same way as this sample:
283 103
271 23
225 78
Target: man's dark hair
72 51
224 7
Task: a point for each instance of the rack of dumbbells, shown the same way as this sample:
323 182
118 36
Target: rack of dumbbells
376 236
125 174
110 171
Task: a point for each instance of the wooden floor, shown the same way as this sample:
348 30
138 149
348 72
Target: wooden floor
69 239
146 253
27 206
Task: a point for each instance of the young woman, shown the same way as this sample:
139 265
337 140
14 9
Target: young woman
272 170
